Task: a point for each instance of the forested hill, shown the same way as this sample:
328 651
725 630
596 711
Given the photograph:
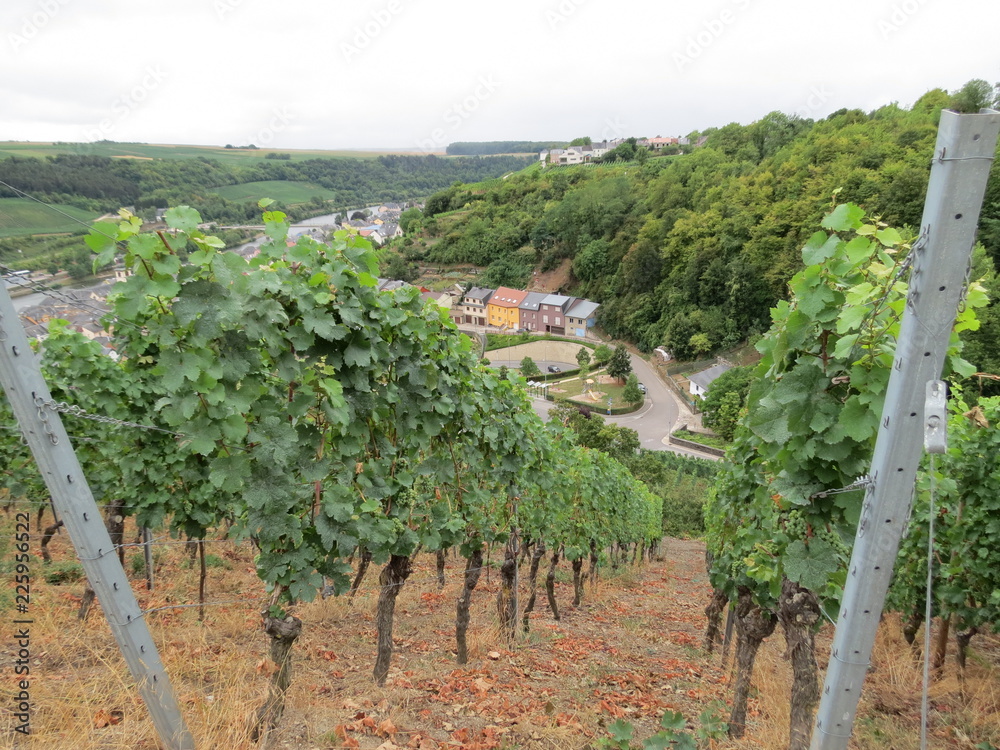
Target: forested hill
702 243
101 183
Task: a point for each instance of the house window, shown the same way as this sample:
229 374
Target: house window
545 318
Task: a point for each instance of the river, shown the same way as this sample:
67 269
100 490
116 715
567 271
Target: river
301 227
298 228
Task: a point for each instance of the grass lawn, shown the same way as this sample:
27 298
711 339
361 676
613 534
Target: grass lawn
286 191
697 437
573 389
20 216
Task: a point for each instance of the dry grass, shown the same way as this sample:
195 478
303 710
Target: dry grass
631 651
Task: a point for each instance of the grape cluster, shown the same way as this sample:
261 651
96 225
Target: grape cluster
833 539
796 525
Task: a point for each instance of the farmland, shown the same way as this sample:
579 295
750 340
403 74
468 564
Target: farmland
21 216
286 191
145 151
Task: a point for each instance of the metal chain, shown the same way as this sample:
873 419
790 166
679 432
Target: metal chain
43 416
76 411
861 483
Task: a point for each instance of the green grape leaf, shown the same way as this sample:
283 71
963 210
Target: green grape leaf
888 237
844 217
819 248
851 317
770 421
183 219
673 720
858 421
810 566
659 741
621 731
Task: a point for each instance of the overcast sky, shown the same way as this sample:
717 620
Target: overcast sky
419 74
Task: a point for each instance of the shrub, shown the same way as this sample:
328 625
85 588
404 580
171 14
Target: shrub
65 571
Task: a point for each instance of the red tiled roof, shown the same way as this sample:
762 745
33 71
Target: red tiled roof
506 297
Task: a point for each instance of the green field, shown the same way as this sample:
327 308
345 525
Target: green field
19 216
286 191
164 151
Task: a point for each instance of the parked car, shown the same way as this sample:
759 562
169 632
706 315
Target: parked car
555 368
642 389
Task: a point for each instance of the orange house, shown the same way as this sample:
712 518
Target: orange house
503 310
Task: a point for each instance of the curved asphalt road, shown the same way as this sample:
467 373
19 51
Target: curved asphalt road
655 417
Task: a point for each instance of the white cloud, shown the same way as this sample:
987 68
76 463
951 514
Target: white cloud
230 63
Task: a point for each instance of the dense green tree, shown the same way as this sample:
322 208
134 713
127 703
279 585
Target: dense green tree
593 261
678 336
603 354
975 95
700 344
631 393
513 271
592 431
725 400
410 219
394 266
529 369
583 356
620 364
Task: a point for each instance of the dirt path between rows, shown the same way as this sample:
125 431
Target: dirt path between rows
630 651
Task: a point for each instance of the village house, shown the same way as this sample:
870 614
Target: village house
445 300
700 382
581 317
373 233
529 310
502 310
389 285
390 230
473 309
553 312
658 143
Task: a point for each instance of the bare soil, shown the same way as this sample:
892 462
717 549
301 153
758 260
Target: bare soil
554 280
631 651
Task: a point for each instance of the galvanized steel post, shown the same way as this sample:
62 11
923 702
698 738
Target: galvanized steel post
962 159
72 498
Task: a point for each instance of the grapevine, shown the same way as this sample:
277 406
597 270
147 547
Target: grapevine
776 533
